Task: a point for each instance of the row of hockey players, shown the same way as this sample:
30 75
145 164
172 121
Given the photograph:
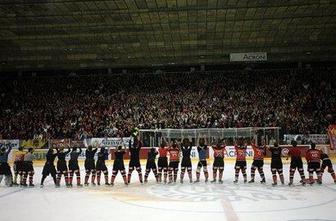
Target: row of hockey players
313 157
23 164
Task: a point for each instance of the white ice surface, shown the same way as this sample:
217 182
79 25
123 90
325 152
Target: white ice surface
159 202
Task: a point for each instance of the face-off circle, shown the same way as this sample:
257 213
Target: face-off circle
201 198
264 198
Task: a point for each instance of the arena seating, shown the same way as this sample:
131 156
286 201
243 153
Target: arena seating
98 106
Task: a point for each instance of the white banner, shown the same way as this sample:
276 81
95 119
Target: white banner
40 154
230 152
307 138
109 142
250 56
13 143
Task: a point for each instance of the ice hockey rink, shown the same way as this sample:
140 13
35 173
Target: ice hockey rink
165 202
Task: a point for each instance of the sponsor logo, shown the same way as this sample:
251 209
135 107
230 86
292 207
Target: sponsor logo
285 151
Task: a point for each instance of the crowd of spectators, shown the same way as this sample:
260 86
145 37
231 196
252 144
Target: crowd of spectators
111 105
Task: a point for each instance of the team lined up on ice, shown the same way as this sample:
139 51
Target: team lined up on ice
167 170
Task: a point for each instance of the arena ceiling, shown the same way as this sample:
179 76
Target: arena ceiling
53 34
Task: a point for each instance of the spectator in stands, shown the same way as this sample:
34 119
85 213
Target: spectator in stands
99 106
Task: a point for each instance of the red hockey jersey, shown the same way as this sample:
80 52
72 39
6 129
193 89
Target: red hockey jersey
174 154
313 156
219 152
258 153
241 154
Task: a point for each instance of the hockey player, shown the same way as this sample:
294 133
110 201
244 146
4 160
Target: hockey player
62 168
296 163
118 165
326 162
240 162
134 163
49 167
174 159
258 162
202 154
5 169
313 157
276 164
18 165
163 162
218 164
74 167
89 165
186 161
151 165
28 169
101 166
